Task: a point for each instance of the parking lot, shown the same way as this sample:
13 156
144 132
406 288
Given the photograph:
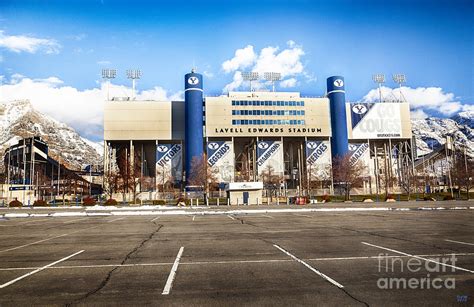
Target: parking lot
291 258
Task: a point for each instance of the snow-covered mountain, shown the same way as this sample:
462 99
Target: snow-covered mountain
431 133
19 119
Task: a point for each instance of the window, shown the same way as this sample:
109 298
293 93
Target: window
286 103
302 112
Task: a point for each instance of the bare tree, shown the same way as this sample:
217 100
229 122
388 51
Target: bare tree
316 177
348 175
202 174
462 173
271 180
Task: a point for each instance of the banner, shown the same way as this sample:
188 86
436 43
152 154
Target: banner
169 163
270 154
318 160
376 120
360 153
220 157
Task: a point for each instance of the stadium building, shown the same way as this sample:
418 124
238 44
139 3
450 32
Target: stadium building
247 135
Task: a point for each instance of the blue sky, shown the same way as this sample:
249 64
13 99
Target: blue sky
430 41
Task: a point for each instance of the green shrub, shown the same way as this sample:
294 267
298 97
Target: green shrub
110 202
159 202
40 203
15 203
448 197
88 201
428 198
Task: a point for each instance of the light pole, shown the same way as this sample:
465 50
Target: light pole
108 74
250 76
134 74
272 77
379 79
399 79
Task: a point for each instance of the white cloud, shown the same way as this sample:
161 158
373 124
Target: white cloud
30 44
236 82
103 62
287 62
418 114
422 98
208 74
292 82
81 109
243 58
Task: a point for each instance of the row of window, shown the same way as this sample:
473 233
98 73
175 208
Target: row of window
268 103
269 112
267 122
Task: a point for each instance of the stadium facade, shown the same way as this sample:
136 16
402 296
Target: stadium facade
245 134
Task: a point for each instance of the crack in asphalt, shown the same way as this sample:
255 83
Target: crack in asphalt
272 243
125 259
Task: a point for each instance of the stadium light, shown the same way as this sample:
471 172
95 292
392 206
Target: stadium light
272 77
399 79
379 79
250 76
134 74
108 74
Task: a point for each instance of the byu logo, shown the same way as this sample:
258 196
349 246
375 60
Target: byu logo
352 147
162 148
263 145
312 145
359 109
338 83
193 80
213 146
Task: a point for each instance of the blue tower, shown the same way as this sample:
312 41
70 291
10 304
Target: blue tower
193 109
337 104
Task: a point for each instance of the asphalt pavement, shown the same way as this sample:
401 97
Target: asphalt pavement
294 258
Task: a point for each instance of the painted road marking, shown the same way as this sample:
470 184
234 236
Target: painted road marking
460 242
303 215
418 257
231 217
228 262
155 219
332 281
38 270
47 239
121 218
75 220
169 282
193 217
268 216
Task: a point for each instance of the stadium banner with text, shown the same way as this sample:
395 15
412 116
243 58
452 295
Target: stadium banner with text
360 152
318 160
169 163
270 154
220 157
376 120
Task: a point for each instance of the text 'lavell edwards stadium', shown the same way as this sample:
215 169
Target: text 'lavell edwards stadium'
244 134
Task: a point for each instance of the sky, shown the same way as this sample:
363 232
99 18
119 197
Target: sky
52 52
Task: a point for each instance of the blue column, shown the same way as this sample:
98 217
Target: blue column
193 108
337 104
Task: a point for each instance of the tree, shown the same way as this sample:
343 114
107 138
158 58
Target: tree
462 172
317 176
271 180
202 174
348 175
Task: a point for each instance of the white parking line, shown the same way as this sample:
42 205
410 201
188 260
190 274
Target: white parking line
460 242
121 218
47 239
418 257
332 281
268 216
193 217
225 262
75 220
155 219
169 282
231 217
303 215
38 270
